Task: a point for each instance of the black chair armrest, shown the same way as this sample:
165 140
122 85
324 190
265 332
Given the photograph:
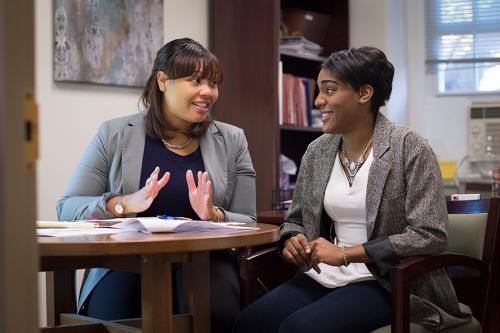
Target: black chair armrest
411 268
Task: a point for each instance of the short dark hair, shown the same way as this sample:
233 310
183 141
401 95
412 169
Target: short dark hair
364 65
178 58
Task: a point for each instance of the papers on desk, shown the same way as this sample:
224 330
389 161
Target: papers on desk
139 224
153 225
67 232
64 224
66 229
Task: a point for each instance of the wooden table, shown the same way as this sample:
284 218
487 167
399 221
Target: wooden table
271 216
152 255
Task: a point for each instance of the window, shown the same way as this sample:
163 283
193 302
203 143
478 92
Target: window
463 44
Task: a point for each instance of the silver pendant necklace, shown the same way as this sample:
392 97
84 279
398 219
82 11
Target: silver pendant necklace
176 147
351 168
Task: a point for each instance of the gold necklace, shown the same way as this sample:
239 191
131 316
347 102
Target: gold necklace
177 147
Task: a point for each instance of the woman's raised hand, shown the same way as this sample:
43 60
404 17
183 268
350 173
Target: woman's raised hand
141 200
200 196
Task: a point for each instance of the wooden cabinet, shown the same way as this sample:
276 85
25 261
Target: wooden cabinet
245 36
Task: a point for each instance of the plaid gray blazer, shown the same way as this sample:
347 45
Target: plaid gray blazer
405 213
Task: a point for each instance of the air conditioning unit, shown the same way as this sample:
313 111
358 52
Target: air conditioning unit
484 132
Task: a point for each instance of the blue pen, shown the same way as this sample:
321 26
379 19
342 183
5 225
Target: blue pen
168 217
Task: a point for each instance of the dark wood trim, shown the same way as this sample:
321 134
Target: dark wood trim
245 39
491 255
301 129
156 271
410 269
199 298
271 216
64 301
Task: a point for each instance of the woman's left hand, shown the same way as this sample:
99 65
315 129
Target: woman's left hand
200 196
325 252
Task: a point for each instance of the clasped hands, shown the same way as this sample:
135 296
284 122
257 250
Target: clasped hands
300 252
200 196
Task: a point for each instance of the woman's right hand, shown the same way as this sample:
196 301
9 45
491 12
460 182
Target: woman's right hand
141 200
297 250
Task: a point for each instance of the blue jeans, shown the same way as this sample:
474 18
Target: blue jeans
303 305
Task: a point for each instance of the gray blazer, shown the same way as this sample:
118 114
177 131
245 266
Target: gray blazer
405 213
111 165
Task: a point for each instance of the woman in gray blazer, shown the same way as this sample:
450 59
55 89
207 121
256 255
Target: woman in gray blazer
368 194
169 159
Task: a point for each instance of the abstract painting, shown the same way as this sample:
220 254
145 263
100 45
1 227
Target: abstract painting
110 42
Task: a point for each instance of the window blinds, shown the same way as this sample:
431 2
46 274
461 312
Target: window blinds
462 32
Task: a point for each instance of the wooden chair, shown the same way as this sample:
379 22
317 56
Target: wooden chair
474 243
262 268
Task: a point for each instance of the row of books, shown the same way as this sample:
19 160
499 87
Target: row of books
297 99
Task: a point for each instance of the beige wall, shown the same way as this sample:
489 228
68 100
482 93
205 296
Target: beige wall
372 31
70 113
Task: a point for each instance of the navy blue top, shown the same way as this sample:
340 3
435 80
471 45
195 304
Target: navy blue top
173 199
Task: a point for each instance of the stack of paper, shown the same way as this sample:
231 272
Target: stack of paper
65 224
300 45
66 229
153 224
145 225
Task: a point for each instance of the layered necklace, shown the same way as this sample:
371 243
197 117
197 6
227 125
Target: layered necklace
176 147
351 168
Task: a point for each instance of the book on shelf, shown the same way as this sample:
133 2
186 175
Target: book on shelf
297 98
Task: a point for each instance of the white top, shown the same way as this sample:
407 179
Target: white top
346 206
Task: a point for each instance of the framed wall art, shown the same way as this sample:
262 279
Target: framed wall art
111 42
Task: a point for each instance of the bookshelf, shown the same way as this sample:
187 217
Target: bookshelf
245 36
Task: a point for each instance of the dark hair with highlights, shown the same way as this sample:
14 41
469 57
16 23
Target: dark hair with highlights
364 65
178 58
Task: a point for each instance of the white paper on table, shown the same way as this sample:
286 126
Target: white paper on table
153 225
66 232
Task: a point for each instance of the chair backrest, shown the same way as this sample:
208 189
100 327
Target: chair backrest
467 227
474 230
474 227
